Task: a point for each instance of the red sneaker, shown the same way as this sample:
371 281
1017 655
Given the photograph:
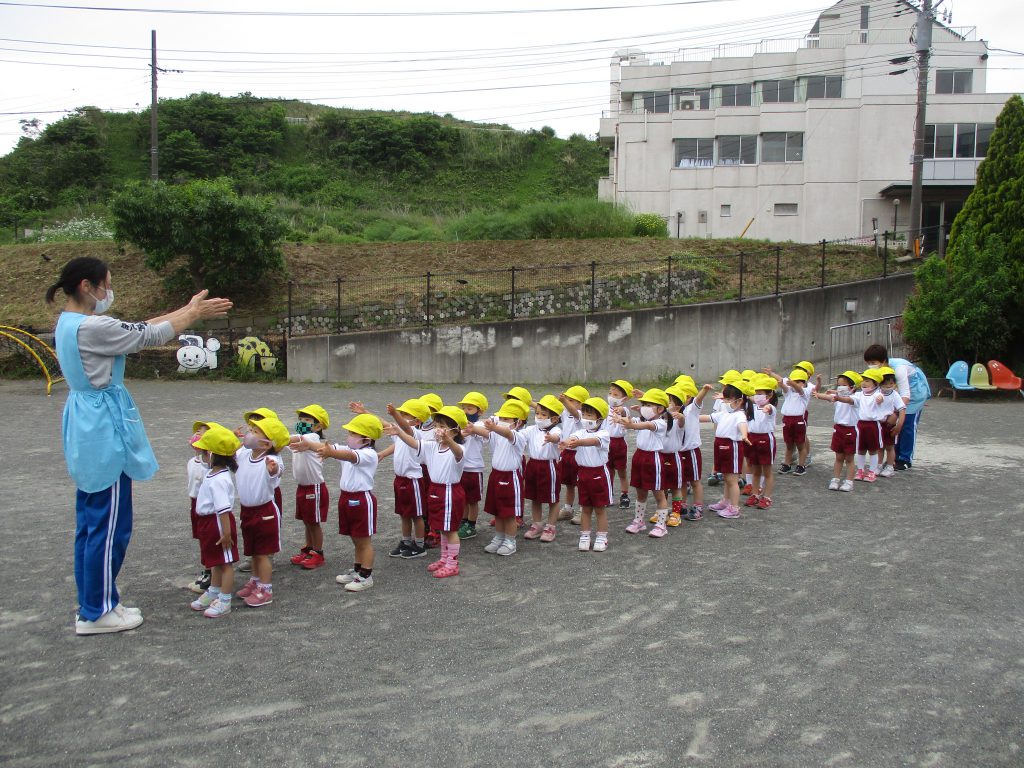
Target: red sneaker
747 489
248 589
303 554
764 503
751 501
446 571
259 598
313 561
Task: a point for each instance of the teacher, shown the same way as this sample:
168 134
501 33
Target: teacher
912 384
105 445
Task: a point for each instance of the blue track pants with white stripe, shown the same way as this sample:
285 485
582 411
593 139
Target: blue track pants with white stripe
103 528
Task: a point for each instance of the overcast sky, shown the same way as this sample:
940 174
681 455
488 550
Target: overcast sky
482 60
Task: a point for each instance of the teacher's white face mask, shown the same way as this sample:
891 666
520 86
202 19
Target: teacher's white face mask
102 305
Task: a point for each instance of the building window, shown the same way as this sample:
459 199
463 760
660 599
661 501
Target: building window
865 13
692 98
737 150
984 136
782 147
786 209
954 81
825 87
964 140
735 95
654 102
965 137
695 153
778 91
726 211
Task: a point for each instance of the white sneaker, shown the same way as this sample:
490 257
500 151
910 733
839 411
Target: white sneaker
122 609
600 543
565 513
359 583
111 621
346 578
846 485
584 545
202 602
577 517
494 544
834 484
508 547
887 470
217 609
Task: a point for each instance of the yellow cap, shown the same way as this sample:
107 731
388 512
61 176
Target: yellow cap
365 424
887 371
318 413
276 432
197 424
730 376
875 374
749 374
513 409
798 374
455 414
677 392
259 413
521 394
764 381
218 439
432 401
745 387
656 396
807 365
685 378
625 386
599 404
688 388
853 376
415 408
578 393
552 403
476 399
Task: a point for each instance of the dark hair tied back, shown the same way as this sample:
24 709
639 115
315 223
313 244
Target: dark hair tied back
75 271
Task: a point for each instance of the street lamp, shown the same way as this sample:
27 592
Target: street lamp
895 214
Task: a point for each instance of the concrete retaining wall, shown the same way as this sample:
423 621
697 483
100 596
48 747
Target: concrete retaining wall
700 339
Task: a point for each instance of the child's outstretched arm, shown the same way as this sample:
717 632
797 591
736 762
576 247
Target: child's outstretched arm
406 437
400 420
356 407
699 399
502 429
332 451
381 455
572 409
445 438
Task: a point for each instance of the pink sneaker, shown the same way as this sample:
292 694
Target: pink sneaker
870 477
718 506
534 531
248 589
859 475
435 565
446 571
638 525
259 598
548 534
658 531
729 512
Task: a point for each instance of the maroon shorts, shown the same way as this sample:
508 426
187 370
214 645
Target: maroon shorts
426 474
194 518
869 436
794 430
728 456
692 465
569 468
671 469
261 529
542 481
504 494
761 451
278 498
887 437
445 506
471 483
312 503
617 453
645 471
410 497
595 487
844 440
210 552
357 514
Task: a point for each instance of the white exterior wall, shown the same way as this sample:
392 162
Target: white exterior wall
853 147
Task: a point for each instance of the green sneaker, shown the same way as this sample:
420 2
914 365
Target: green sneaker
467 530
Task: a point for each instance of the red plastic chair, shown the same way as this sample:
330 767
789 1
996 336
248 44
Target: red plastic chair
1003 377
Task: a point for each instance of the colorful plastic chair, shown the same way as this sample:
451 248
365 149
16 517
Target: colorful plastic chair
1004 378
956 376
979 377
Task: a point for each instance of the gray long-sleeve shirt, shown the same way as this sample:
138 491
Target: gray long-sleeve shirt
102 338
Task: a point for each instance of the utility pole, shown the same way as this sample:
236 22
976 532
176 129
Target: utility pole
924 45
154 159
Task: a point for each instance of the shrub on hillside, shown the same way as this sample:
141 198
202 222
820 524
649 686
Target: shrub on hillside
649 225
580 218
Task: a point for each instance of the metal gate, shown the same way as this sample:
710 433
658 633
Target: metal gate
846 343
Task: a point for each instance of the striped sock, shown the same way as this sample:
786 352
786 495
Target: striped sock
453 553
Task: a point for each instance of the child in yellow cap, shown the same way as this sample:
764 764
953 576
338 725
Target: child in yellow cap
195 471
572 399
475 405
620 392
646 468
796 396
504 497
312 499
542 479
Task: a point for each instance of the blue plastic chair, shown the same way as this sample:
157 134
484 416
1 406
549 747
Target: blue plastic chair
957 377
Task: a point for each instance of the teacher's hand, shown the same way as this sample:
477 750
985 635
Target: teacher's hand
206 309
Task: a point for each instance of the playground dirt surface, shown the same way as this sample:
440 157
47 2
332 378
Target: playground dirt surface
874 628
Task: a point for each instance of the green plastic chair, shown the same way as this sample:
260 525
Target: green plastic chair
979 377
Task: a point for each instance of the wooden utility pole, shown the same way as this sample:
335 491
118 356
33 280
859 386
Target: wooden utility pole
154 152
924 46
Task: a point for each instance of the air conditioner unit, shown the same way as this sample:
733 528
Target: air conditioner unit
687 105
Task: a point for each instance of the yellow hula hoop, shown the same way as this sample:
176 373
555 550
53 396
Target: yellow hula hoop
46 371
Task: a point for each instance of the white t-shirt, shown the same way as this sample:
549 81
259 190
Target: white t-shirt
406 462
673 440
727 424
691 425
196 470
616 430
763 423
441 463
216 493
893 403
794 403
569 423
539 448
308 466
473 453
255 484
357 476
507 455
845 414
592 455
867 408
651 439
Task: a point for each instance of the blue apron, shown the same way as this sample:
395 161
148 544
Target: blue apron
920 391
102 430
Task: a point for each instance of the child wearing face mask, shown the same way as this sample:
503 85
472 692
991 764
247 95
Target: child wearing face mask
619 393
760 456
797 395
357 506
869 402
474 405
258 477
591 443
688 420
196 470
844 430
312 499
445 497
895 411
542 478
215 522
645 471
572 399
248 418
731 439
504 497
425 431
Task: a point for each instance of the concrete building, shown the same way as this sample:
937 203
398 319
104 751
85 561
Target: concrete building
799 139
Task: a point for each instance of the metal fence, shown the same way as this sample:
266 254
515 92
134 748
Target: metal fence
388 301
847 342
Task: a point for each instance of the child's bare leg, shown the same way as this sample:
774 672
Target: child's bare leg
308 529
364 551
407 528
223 577
698 492
536 511
850 466
732 489
768 480
262 568
419 528
316 537
585 513
601 513
805 449
659 496
623 481
472 511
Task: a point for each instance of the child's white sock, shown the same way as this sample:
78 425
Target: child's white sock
859 460
750 479
641 509
874 463
662 514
